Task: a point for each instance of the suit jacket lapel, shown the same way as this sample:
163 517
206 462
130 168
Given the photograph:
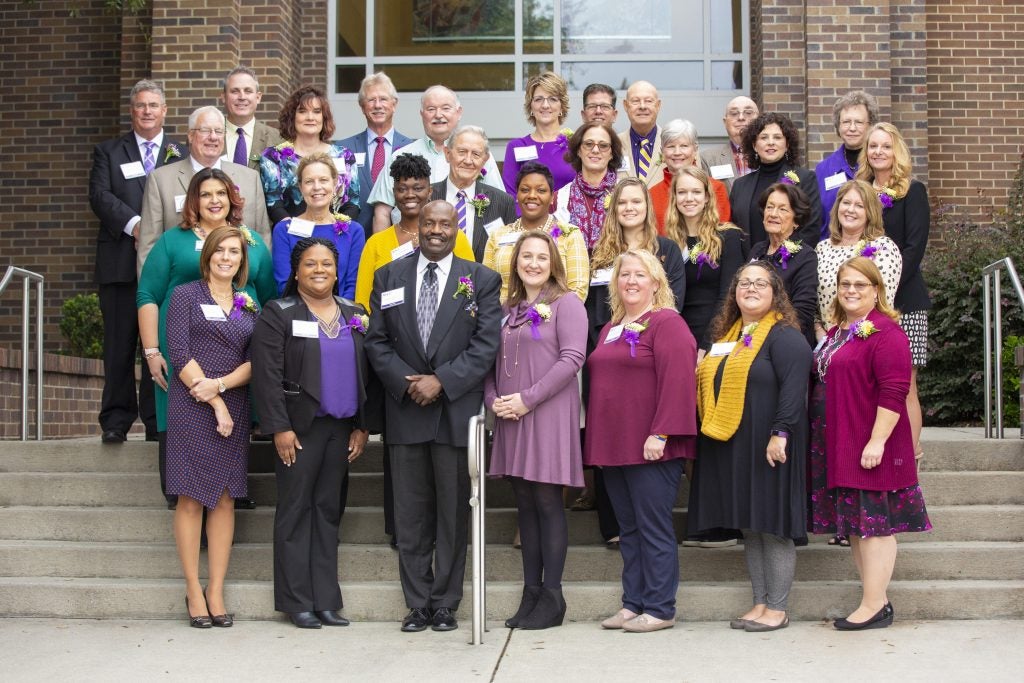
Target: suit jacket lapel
185 174
131 153
405 278
447 306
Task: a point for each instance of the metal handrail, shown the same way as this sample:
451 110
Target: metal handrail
477 452
27 278
990 279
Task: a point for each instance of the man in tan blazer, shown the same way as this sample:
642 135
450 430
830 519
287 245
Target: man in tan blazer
166 187
725 162
241 97
642 142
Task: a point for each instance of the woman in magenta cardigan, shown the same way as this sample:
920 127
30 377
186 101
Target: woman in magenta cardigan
871 491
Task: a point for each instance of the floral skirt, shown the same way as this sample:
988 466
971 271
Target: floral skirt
855 512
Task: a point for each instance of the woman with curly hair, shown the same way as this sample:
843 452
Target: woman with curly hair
595 153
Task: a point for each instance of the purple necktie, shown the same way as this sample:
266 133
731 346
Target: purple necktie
148 161
460 208
241 157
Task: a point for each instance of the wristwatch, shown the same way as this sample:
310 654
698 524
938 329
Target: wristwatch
220 385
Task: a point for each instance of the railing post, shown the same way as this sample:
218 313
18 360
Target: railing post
477 502
39 360
27 278
997 295
24 359
986 306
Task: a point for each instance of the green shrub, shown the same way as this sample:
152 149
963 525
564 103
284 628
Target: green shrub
82 326
1011 381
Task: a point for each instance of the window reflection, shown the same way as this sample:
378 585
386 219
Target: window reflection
655 26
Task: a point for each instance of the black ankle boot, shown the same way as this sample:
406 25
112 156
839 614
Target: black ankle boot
530 596
550 611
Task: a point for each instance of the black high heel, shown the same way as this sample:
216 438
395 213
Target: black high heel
202 621
219 620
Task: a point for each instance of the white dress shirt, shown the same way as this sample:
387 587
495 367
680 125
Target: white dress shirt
470 191
231 138
444 266
140 141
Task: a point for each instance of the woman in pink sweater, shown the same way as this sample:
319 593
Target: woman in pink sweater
868 488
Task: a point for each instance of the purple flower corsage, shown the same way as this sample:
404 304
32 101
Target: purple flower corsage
631 333
241 302
538 313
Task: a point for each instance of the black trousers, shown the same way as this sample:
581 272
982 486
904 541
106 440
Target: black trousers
431 516
307 519
119 407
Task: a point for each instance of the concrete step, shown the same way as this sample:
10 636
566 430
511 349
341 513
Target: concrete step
366 524
929 560
590 602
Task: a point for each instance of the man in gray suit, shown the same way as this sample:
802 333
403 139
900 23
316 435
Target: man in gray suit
726 162
245 137
166 187
480 208
435 324
374 146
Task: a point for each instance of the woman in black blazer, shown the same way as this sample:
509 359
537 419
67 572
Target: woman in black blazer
319 426
771 145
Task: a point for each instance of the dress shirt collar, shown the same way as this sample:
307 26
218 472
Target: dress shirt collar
371 138
158 139
635 138
451 190
197 167
444 266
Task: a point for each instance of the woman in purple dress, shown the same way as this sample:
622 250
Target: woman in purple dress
209 323
535 397
547 105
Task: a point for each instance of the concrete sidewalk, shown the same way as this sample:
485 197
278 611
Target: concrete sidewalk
93 650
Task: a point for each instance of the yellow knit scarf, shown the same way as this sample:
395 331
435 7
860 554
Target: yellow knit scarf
721 418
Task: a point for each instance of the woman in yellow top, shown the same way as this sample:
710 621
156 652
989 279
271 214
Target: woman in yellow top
534 196
411 174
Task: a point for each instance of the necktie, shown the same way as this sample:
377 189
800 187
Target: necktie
378 159
426 306
149 161
241 154
460 208
645 159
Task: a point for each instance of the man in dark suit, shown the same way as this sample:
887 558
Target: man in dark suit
434 332
467 150
374 146
726 162
245 137
116 185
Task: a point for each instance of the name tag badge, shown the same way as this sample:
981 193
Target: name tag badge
305 328
613 334
601 276
525 153
300 227
722 172
213 312
179 203
392 297
402 251
508 239
835 180
722 348
504 320
493 225
339 163
360 158
199 245
686 254
132 170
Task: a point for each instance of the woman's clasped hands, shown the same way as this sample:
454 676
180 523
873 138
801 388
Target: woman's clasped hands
510 407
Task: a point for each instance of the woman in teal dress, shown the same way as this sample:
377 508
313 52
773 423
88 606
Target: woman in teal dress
211 202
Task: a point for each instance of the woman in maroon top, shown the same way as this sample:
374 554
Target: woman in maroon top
640 426
871 492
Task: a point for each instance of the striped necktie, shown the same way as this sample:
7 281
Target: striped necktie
149 160
426 306
460 208
645 159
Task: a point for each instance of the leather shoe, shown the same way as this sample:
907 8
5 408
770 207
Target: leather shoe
304 619
618 619
444 619
245 504
753 626
152 435
882 619
416 620
113 436
645 623
330 617
738 624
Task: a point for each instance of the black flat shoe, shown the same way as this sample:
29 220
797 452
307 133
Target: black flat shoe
202 621
330 617
304 619
220 620
883 618
113 436
245 504
444 620
416 620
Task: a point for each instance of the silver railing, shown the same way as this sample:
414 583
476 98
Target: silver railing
477 453
29 277
991 280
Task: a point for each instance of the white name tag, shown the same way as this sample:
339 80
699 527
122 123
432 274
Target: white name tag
360 158
132 169
300 227
508 239
835 180
339 163
392 297
493 225
179 203
613 334
199 245
402 251
525 153
305 328
213 312
722 348
601 276
722 172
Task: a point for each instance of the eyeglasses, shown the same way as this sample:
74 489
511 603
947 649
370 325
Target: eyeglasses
645 102
741 113
856 286
143 106
598 106
759 285
852 123
209 132
591 144
541 99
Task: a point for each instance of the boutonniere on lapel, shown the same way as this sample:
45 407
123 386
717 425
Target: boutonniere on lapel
482 175
790 178
886 196
341 222
241 302
480 202
360 323
247 235
862 329
867 249
254 157
538 313
172 152
560 229
786 251
465 289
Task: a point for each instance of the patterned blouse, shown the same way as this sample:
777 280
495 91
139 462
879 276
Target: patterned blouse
571 245
277 171
831 256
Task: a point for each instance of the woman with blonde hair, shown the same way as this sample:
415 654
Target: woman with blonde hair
546 106
680 149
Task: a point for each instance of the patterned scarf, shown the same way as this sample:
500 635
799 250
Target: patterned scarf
581 195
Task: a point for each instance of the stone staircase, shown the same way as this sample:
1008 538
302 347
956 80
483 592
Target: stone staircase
84 534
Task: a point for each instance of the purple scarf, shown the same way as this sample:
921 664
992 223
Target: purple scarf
589 222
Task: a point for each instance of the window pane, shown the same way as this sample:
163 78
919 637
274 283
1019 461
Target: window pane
655 26
351 28
538 27
349 78
666 75
726 19
428 27
534 68
727 75
458 77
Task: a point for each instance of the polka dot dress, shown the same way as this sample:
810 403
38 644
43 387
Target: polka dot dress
831 257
